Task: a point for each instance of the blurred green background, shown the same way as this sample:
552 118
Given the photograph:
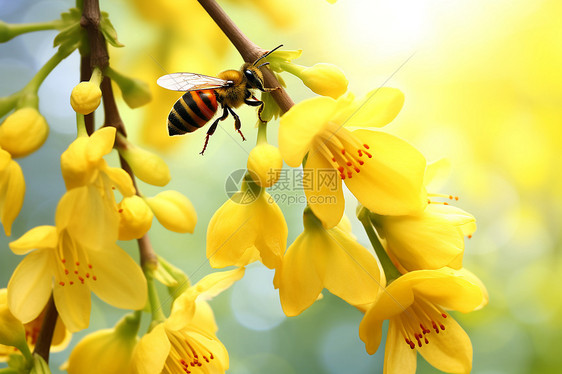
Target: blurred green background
483 88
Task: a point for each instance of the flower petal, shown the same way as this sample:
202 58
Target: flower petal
120 280
390 183
73 303
100 143
30 286
325 199
399 358
151 352
377 109
299 126
450 350
13 191
40 237
370 332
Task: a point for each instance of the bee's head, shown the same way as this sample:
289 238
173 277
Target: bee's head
254 77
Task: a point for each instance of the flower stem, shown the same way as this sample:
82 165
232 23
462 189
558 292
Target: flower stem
249 51
153 299
43 345
390 270
15 29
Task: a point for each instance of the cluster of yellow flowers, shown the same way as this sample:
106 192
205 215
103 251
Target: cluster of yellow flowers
413 276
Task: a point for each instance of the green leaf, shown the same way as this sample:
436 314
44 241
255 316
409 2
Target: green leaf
108 30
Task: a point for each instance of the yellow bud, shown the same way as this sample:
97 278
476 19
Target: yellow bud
325 79
105 351
85 97
23 132
147 166
264 164
12 331
12 191
135 218
174 211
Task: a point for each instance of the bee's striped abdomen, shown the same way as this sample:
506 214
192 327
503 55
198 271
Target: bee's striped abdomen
192 111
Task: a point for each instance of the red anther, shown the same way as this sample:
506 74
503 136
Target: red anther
212 357
442 327
445 203
66 271
366 146
334 159
89 266
342 176
360 153
451 197
87 275
76 272
469 236
77 263
63 261
368 154
361 162
349 174
357 170
61 283
182 361
426 341
456 198
348 163
120 210
443 315
81 280
94 278
341 169
343 151
71 283
112 187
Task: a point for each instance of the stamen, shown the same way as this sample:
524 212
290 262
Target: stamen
414 321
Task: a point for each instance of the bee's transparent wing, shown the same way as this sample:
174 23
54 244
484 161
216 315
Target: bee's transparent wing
190 82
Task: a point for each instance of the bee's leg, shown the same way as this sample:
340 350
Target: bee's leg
213 127
237 123
256 102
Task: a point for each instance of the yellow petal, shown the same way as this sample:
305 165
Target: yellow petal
100 143
73 304
300 125
377 109
151 352
12 331
390 183
30 286
238 228
449 351
75 168
331 259
120 280
399 358
423 241
120 179
370 332
436 173
174 211
40 237
12 187
324 193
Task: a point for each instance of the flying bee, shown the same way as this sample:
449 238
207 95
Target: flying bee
203 93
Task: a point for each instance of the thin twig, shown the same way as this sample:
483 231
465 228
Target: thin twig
43 345
247 49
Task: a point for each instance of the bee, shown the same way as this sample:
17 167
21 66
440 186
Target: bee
203 94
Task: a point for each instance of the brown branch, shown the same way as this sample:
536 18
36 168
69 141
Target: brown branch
43 345
85 74
91 17
247 49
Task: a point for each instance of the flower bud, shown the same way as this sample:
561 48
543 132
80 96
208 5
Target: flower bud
39 365
23 132
12 331
105 351
325 79
264 164
174 211
85 97
12 191
146 165
135 218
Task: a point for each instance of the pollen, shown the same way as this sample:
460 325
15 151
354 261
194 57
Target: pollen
187 354
342 150
419 321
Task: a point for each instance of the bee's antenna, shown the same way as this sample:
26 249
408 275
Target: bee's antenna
265 63
267 54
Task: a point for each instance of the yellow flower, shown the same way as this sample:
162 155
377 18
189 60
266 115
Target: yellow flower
240 233
86 96
186 342
326 258
12 331
147 166
414 304
174 211
70 267
61 336
264 164
384 172
135 218
107 351
429 240
12 190
23 132
323 79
